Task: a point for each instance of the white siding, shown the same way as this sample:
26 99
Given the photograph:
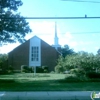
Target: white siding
35 42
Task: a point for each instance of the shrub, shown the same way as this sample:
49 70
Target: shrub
59 69
10 68
45 69
52 72
25 68
2 72
93 75
30 69
72 79
17 71
39 70
78 72
66 72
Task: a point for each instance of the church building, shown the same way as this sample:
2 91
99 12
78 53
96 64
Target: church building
35 52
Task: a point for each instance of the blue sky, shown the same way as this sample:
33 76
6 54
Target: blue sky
80 34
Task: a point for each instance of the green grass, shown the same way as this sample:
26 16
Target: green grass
43 82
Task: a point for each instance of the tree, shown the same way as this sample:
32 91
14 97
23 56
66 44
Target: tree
98 52
66 51
13 26
82 60
3 61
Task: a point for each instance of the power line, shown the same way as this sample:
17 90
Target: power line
82 1
90 32
85 32
53 18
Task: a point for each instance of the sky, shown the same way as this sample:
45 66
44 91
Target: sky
79 34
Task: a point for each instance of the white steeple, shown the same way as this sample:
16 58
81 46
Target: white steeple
56 40
56 37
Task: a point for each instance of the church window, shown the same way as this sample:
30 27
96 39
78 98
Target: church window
35 53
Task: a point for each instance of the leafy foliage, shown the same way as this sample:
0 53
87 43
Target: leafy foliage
98 52
3 59
10 69
3 63
72 79
93 75
13 26
26 69
79 63
60 66
66 51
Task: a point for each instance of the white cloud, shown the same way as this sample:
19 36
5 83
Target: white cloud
97 47
73 44
46 30
84 49
85 42
8 48
95 34
67 38
68 35
43 29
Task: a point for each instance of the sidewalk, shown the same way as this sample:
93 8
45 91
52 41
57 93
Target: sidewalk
49 95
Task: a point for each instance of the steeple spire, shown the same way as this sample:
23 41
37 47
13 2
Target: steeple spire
56 42
56 37
55 29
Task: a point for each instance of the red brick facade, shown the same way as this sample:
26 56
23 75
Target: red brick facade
20 56
49 55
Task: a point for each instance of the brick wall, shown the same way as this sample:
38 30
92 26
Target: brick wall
49 55
19 56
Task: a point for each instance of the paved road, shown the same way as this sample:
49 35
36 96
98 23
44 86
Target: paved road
47 95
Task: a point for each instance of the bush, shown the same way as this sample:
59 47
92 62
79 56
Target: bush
66 72
30 69
26 69
78 72
10 69
59 69
39 70
52 72
45 69
72 79
17 71
93 75
2 72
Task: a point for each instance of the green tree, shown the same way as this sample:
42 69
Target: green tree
13 26
66 51
98 52
84 61
60 67
3 61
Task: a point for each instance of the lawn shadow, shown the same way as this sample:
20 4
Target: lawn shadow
46 85
7 81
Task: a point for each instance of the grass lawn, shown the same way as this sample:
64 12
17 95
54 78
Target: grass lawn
43 82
